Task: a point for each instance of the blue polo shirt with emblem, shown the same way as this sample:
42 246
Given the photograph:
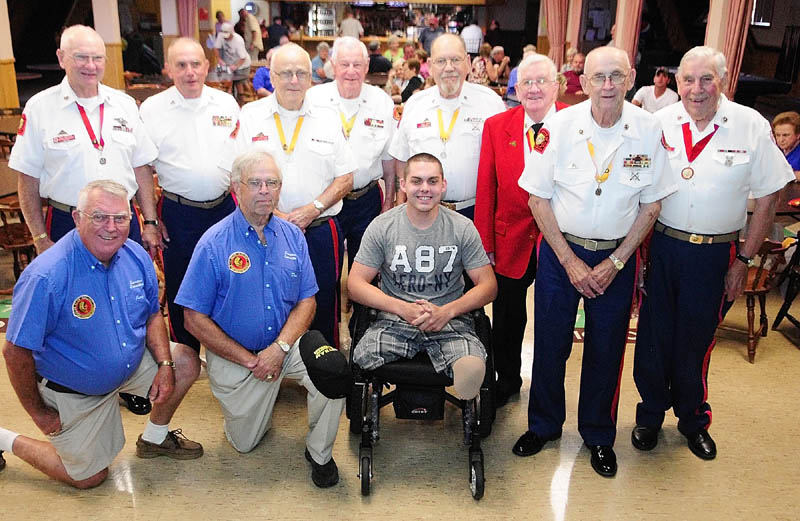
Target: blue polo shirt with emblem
85 324
248 288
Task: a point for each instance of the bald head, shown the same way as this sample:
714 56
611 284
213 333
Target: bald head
187 66
76 35
290 73
606 79
449 64
604 53
448 39
82 55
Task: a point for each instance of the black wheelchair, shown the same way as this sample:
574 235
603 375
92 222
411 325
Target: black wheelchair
419 394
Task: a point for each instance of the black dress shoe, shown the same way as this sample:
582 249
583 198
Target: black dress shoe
701 444
136 404
323 476
2 461
604 461
529 444
501 397
644 438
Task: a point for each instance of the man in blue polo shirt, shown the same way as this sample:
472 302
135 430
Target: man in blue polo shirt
254 265
76 337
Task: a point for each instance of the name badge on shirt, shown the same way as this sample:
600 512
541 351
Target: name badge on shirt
238 262
636 161
122 127
373 123
426 123
63 137
222 121
83 307
136 284
290 256
259 137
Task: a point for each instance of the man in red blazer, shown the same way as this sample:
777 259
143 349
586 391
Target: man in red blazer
502 215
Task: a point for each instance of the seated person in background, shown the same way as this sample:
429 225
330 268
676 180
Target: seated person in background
64 354
377 63
511 91
424 66
421 250
501 64
655 97
261 81
318 64
571 52
412 82
786 127
395 78
573 75
394 52
483 70
409 51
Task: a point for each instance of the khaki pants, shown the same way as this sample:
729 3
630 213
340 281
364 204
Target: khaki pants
247 404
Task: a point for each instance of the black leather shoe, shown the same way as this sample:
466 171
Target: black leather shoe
644 438
604 461
529 444
501 397
323 476
701 444
2 461
136 404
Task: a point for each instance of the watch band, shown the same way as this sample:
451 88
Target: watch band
285 347
618 264
154 222
747 260
167 363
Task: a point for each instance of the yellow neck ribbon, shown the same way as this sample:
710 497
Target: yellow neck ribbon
290 148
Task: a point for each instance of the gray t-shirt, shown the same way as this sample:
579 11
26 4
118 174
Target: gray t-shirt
422 264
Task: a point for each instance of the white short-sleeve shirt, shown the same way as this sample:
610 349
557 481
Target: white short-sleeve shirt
190 136
53 144
739 159
418 131
561 169
647 97
233 50
372 130
320 155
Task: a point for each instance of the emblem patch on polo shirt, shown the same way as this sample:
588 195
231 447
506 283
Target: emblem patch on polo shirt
426 123
222 121
238 262
260 137
23 122
63 137
83 307
542 140
373 123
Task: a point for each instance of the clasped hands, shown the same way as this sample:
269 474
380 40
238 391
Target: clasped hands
426 315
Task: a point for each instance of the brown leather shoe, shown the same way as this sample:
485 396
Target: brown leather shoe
175 446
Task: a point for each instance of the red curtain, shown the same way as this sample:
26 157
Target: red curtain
737 25
556 14
187 17
631 18
574 21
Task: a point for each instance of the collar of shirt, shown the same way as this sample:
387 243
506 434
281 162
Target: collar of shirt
244 228
581 127
176 99
680 116
466 98
272 107
529 121
67 96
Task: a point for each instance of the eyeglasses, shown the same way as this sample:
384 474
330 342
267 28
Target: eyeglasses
442 62
539 82
347 65
100 219
84 59
255 184
705 80
287 75
616 77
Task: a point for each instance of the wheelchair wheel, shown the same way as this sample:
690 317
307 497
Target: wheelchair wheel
476 479
365 475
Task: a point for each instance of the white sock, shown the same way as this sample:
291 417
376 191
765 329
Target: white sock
155 433
7 438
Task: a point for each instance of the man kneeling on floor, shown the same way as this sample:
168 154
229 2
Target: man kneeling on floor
248 296
421 250
82 314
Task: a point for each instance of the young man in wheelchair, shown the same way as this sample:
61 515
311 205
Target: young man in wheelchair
421 250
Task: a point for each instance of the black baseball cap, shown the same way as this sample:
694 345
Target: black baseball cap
327 367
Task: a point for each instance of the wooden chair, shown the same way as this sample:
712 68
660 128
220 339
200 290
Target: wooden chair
792 273
761 279
14 234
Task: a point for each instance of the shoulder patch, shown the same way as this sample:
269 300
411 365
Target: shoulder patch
23 122
542 140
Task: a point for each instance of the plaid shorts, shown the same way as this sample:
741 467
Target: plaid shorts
390 338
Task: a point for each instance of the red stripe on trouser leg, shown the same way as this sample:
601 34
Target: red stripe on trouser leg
336 305
48 220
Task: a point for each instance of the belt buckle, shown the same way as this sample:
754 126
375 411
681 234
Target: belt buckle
449 206
590 244
696 239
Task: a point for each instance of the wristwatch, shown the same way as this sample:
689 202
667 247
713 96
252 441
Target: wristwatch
748 261
318 205
283 345
617 263
154 222
167 363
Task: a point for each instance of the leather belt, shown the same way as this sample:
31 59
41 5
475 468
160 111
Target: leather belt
319 221
458 205
54 386
695 238
355 194
592 244
206 205
60 206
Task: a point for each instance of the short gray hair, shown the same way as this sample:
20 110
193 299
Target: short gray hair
247 161
706 52
323 46
107 186
533 58
348 42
